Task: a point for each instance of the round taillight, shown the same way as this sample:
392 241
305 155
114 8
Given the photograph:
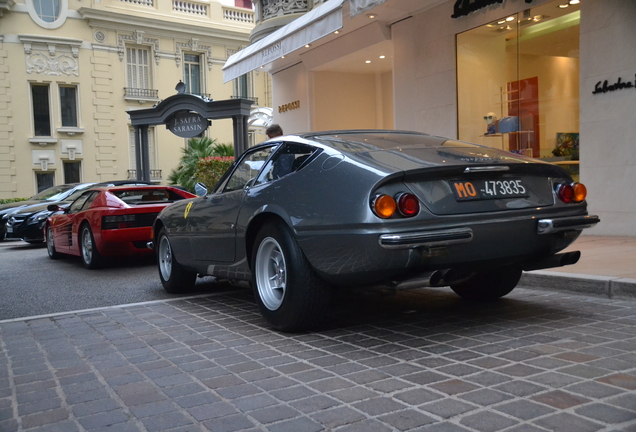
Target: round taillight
565 192
384 206
580 192
408 204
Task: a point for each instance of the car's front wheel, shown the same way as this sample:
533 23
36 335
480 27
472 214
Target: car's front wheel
289 294
50 244
489 285
174 278
91 258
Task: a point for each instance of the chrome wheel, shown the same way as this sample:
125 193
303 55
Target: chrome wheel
164 256
271 273
87 246
50 246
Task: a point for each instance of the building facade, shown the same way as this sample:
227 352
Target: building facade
550 79
70 70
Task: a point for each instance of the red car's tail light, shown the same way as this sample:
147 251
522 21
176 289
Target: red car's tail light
571 192
384 206
119 221
408 204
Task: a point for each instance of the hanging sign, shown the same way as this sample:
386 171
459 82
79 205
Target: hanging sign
187 124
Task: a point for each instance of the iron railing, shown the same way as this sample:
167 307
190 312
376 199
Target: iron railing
132 92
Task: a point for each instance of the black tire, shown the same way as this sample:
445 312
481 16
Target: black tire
174 278
50 246
91 258
289 293
489 285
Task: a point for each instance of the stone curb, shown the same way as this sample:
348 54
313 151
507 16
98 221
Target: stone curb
599 286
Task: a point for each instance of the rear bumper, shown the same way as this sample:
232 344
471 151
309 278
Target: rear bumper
552 225
436 238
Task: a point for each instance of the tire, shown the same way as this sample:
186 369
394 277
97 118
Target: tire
490 285
174 278
289 294
91 258
50 245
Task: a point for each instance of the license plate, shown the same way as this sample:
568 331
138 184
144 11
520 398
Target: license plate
9 229
488 189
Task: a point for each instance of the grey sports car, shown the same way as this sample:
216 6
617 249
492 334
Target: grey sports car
301 215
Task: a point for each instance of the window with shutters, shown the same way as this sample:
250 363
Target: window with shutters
138 74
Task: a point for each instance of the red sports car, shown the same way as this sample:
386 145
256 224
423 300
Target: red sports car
108 221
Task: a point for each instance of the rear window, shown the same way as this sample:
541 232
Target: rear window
146 196
364 142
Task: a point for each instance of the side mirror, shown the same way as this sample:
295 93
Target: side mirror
200 189
54 207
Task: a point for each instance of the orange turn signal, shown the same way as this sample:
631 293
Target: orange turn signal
580 192
384 206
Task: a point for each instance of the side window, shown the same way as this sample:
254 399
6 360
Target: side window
248 169
79 203
286 161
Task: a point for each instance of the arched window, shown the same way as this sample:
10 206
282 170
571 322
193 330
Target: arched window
49 14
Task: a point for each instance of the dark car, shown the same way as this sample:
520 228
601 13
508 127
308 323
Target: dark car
27 222
303 215
46 197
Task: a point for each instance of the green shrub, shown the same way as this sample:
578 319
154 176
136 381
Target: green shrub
11 200
196 149
210 169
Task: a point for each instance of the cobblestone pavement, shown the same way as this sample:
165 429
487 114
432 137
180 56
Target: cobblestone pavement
422 360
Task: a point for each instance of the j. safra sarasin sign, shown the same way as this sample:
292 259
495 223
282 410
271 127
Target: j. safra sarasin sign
186 124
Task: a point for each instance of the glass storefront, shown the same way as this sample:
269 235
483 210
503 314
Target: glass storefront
518 83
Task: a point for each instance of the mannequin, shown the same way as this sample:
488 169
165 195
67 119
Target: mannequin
491 122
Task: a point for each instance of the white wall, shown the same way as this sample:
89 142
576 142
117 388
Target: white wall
292 85
608 124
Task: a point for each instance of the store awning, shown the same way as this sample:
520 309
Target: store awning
315 24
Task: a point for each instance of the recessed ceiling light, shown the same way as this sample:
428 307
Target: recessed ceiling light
501 21
575 1
382 56
510 18
371 15
307 46
336 32
563 6
368 61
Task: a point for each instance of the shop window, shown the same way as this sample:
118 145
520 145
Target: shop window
71 172
518 83
68 106
44 180
192 73
41 111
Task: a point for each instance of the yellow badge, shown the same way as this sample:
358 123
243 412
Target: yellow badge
187 210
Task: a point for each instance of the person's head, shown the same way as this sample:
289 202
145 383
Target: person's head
273 131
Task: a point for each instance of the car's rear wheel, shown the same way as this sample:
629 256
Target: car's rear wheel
50 244
91 258
489 285
174 278
288 292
